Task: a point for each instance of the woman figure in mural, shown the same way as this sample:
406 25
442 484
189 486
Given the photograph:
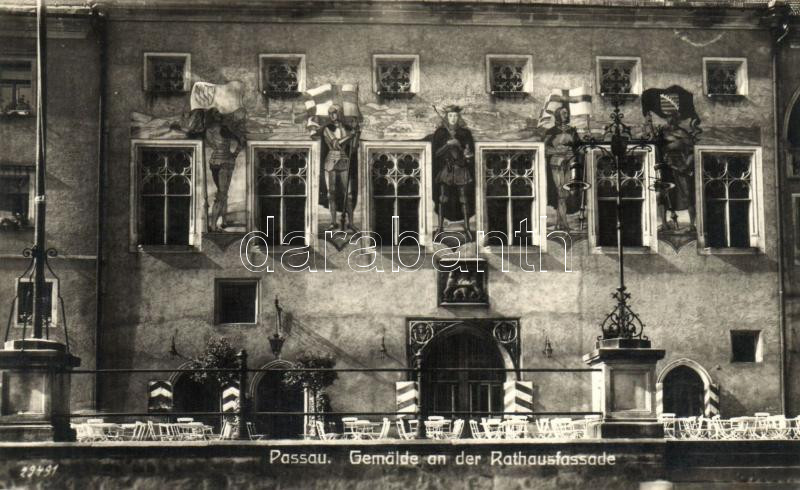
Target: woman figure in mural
677 150
224 134
339 140
454 168
560 141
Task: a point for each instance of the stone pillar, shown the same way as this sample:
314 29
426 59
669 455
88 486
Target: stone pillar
34 400
625 388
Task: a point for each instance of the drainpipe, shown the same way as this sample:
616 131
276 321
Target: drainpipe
99 24
779 30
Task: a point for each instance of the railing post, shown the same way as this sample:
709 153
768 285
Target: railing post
243 401
418 368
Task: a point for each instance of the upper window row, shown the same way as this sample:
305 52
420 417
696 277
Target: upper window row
397 75
394 180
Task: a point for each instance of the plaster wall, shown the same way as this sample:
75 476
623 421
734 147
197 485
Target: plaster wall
688 301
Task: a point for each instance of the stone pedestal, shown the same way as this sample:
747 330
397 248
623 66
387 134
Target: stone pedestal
625 388
35 390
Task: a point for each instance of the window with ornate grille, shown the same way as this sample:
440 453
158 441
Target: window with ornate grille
638 206
396 189
16 87
619 76
166 73
509 75
24 313
236 301
16 196
282 75
281 180
728 199
725 76
165 196
510 189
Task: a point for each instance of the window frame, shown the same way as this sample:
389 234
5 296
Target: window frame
636 84
413 58
426 190
197 218
53 301
758 348
217 299
757 234
187 72
649 209
265 58
34 79
312 183
742 85
31 190
527 88
540 197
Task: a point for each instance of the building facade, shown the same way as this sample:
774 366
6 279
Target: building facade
187 173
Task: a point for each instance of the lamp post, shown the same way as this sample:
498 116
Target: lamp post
623 389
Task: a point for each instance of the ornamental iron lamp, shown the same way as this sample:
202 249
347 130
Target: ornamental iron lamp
277 340
623 383
548 348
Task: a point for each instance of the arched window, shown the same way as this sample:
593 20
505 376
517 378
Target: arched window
272 395
793 137
474 393
191 396
684 392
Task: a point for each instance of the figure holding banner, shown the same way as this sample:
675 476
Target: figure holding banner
340 140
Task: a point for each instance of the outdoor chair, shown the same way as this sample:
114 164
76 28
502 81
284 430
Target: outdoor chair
493 428
477 433
252 434
562 428
384 433
516 428
325 436
668 419
543 428
349 427
139 432
458 428
401 431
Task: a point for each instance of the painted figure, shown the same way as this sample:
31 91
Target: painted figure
677 150
560 143
454 170
339 139
224 134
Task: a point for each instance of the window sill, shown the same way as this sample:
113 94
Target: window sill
726 97
170 249
621 97
240 324
730 251
605 250
395 95
509 95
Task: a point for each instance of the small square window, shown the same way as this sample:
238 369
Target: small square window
167 73
236 301
16 197
725 77
509 75
619 76
395 76
282 75
746 346
16 87
24 305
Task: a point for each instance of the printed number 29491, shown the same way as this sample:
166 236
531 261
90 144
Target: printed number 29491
38 471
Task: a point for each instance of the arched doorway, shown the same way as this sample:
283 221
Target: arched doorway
792 135
462 394
191 396
684 392
272 395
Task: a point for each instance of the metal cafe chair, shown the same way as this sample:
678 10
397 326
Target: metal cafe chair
477 433
434 429
458 428
349 427
252 433
401 430
668 419
323 435
493 428
543 428
384 432
516 428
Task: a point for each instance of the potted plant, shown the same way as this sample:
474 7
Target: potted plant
315 382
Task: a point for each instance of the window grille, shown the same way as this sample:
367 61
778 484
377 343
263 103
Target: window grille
166 74
508 76
727 196
394 77
725 77
510 183
633 196
619 76
166 195
282 76
281 192
396 191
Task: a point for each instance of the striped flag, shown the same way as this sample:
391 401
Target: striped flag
320 99
578 100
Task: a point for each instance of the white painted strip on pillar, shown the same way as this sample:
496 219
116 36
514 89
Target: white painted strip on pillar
407 395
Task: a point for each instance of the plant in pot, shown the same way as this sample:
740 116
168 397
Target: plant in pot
218 354
315 382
